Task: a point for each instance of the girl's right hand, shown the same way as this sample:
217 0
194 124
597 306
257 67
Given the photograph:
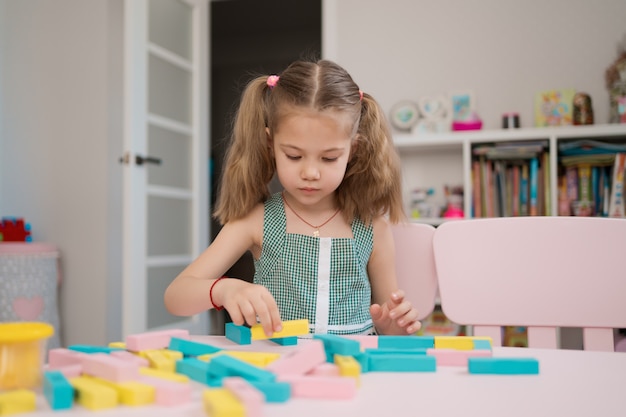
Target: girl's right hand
248 303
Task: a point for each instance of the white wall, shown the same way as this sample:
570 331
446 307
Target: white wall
60 95
502 50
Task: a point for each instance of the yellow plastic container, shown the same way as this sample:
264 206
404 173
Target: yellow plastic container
22 353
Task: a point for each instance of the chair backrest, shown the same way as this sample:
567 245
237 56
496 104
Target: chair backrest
415 265
539 272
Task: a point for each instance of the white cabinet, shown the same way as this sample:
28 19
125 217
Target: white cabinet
437 160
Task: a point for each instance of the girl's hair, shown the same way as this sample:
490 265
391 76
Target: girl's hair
371 185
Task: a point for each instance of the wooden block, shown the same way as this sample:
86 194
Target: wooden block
222 366
301 360
131 357
154 340
396 351
402 363
290 328
91 349
274 392
285 341
58 391
321 387
366 341
251 398
68 371
325 369
198 371
165 375
238 334
503 366
60 357
455 357
109 367
348 366
454 342
118 345
220 402
130 392
159 360
338 345
260 359
191 348
93 395
482 344
406 342
17 401
168 393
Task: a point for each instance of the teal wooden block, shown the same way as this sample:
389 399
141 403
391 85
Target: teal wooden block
337 345
363 359
402 363
503 366
397 351
275 392
406 342
93 349
223 366
198 371
238 334
285 341
191 348
58 391
481 344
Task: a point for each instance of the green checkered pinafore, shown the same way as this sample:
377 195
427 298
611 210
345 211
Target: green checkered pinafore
323 280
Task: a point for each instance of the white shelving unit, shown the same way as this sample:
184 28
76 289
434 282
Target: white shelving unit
436 160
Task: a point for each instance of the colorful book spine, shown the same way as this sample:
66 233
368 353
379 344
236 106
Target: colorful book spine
534 185
616 203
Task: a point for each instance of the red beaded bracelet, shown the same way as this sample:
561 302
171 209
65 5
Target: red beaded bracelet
211 294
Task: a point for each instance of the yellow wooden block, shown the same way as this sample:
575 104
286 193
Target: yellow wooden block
158 360
454 342
93 395
17 401
348 366
290 328
172 354
130 392
157 373
220 402
260 359
119 345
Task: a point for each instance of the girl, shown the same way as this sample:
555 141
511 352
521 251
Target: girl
323 248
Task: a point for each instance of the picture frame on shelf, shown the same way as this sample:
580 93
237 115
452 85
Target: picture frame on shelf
463 103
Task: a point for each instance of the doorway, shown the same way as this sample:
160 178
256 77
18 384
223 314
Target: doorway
251 37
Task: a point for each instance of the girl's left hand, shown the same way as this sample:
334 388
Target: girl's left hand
396 316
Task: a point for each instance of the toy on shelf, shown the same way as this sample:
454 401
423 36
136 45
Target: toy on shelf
420 204
454 197
14 229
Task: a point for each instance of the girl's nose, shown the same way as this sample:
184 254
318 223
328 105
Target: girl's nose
310 172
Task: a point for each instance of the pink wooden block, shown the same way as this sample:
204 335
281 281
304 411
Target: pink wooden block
251 398
154 340
130 357
325 369
454 357
301 360
168 393
108 367
68 371
321 387
367 342
63 357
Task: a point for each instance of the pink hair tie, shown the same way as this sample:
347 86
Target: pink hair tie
272 80
360 95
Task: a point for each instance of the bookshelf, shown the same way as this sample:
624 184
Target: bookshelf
440 159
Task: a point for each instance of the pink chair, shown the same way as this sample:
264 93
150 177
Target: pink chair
415 265
540 272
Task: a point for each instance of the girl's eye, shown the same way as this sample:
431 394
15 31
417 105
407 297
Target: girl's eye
293 157
329 159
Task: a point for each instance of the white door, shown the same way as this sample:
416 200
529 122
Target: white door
166 153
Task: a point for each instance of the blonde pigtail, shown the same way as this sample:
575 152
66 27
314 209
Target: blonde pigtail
248 166
373 176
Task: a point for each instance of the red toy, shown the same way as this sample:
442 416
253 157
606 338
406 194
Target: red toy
14 229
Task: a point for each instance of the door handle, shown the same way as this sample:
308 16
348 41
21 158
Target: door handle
140 160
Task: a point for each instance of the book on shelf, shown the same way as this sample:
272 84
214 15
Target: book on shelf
590 147
533 183
616 201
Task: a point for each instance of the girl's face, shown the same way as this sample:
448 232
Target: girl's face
311 150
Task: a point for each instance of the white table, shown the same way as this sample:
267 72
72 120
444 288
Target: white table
570 383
